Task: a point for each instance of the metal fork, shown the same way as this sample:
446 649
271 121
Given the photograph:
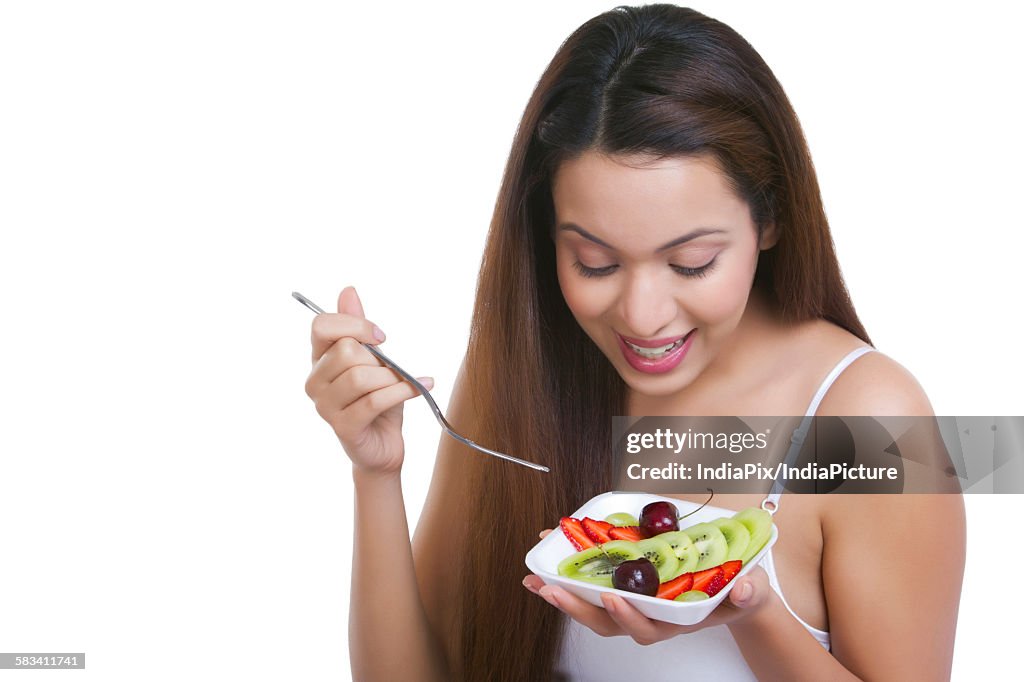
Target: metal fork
426 394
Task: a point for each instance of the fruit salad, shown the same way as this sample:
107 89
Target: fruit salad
650 555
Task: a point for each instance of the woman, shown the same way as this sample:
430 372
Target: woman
659 192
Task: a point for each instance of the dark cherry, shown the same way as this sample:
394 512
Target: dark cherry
639 576
657 518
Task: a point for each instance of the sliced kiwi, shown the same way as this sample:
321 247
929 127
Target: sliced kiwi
736 536
684 549
593 565
693 595
759 524
622 519
710 544
661 555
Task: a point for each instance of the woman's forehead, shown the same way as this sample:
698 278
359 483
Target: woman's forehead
643 198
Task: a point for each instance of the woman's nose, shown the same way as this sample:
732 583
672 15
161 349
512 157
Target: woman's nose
647 307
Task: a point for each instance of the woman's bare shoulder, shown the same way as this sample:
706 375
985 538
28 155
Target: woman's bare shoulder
873 385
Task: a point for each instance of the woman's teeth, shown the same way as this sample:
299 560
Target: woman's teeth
655 352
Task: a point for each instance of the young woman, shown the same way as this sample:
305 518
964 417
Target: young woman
659 246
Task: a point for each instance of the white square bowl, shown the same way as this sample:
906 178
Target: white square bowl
545 556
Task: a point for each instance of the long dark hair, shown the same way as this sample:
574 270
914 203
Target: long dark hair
658 80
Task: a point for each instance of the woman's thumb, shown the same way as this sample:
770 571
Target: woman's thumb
348 302
745 593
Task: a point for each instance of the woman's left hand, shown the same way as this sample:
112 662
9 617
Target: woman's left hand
748 597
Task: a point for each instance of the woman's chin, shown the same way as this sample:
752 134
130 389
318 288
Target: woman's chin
654 385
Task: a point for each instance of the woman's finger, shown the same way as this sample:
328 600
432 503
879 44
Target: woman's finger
544 533
533 583
747 596
348 302
642 629
356 382
360 413
344 354
594 617
747 593
329 327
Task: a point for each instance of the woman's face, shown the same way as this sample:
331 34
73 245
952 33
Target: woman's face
656 261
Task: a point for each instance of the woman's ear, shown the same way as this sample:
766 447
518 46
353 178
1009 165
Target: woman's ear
769 236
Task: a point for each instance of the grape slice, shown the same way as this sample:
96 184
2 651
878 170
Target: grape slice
693 595
621 519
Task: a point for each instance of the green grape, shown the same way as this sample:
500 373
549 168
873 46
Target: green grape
621 519
692 595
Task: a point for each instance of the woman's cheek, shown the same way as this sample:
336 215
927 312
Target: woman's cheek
719 305
583 298
575 290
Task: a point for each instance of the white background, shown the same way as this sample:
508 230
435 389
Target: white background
170 502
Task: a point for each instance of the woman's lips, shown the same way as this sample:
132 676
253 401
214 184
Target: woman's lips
653 343
659 364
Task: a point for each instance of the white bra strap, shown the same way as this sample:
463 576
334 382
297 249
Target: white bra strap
771 503
832 376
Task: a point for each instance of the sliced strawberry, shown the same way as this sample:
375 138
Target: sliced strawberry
675 587
730 569
631 533
715 586
709 581
597 530
573 530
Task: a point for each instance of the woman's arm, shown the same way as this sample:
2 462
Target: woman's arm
892 568
892 565
402 622
391 634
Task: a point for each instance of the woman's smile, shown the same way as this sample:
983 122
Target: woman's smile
659 355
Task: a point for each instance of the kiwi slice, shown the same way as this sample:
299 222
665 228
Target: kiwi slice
710 544
622 519
736 536
593 565
661 555
684 549
693 595
759 524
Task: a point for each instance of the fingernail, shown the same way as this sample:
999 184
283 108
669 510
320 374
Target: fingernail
528 586
611 606
427 382
377 333
745 591
550 597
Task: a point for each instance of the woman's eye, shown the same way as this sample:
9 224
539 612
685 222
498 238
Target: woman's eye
594 272
702 271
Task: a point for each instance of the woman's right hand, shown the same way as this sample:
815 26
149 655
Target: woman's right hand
360 398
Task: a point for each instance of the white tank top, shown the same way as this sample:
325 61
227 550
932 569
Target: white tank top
711 653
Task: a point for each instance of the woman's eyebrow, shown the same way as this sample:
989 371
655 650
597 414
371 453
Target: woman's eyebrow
699 232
